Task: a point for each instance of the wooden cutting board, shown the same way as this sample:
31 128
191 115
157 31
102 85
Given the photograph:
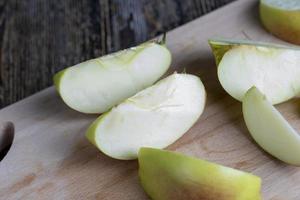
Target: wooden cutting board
51 159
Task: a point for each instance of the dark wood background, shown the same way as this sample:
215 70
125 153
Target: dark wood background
41 37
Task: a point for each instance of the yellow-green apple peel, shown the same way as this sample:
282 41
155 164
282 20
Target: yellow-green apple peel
167 175
282 18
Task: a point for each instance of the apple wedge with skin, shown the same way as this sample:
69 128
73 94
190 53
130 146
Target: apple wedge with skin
154 117
274 69
269 129
281 18
97 85
167 175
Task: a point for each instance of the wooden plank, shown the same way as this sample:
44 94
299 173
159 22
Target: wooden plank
39 38
51 159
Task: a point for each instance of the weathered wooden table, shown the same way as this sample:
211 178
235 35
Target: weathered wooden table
40 37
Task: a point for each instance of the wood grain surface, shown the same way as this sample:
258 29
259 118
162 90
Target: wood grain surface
41 37
51 159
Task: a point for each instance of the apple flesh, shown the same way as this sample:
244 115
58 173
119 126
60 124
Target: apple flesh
167 175
97 85
155 117
282 18
274 69
269 129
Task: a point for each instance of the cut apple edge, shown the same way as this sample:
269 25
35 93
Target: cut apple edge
99 137
161 42
221 46
287 141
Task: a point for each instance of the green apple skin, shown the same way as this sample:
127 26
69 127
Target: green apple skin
96 85
167 175
219 48
274 69
285 24
56 79
155 117
269 129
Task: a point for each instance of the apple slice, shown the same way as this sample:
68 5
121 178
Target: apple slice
274 69
166 175
269 129
154 117
282 18
97 85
